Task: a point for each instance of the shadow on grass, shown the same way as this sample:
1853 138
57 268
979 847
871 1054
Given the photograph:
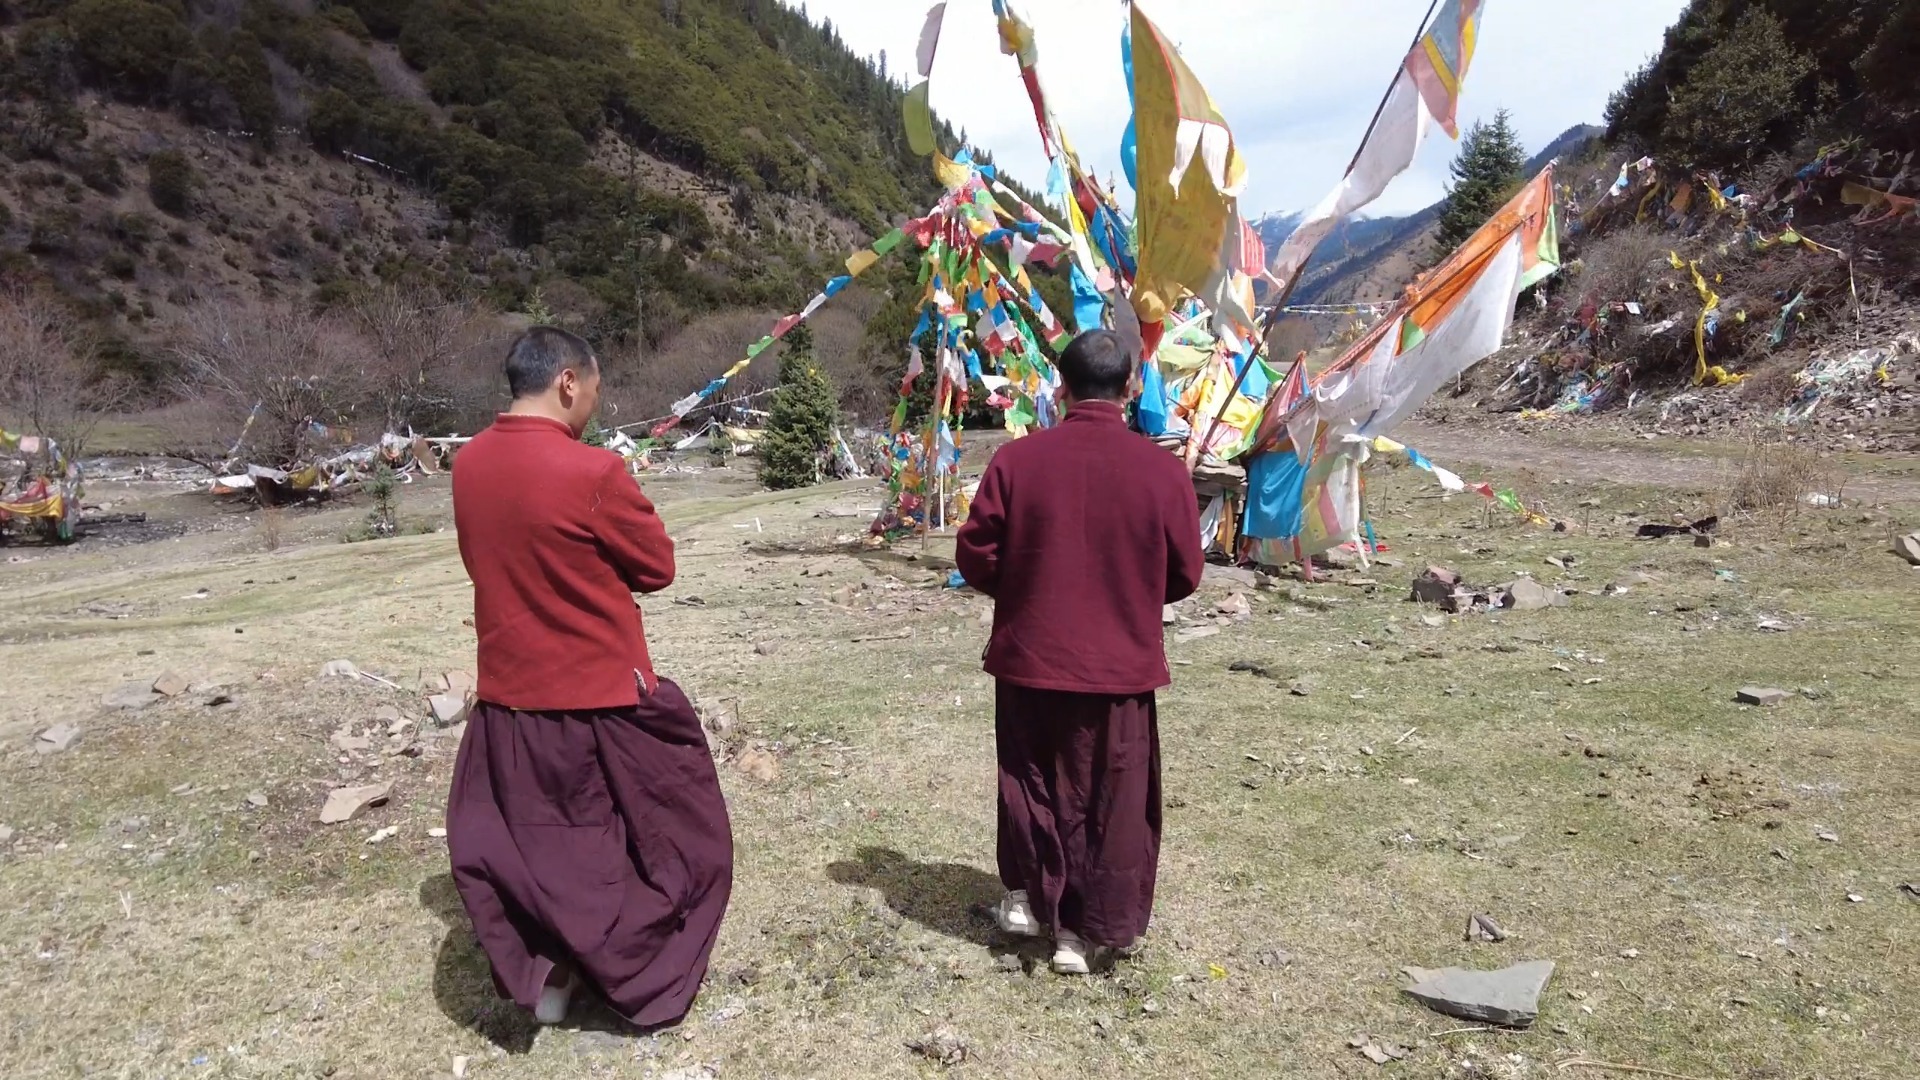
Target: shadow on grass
463 988
947 898
463 981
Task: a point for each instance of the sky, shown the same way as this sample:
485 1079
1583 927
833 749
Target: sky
1297 80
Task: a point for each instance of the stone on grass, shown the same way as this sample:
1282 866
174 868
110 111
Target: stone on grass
449 709
943 1046
1509 997
1437 586
759 765
1764 696
1195 633
339 669
1169 616
57 739
345 804
6 835
1908 548
131 696
767 648
346 742
258 800
169 685
1527 594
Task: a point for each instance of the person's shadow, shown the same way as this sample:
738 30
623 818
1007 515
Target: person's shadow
947 898
463 983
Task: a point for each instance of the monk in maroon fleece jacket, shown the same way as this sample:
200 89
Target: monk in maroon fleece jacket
588 834
1081 534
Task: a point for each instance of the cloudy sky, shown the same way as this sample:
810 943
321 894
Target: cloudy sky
1297 79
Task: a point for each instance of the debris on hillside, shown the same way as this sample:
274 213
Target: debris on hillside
1697 306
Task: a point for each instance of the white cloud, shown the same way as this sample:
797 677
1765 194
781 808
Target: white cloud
1297 79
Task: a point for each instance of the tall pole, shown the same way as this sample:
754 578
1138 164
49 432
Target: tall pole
1286 292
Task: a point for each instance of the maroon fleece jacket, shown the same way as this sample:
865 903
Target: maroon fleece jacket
557 538
1082 534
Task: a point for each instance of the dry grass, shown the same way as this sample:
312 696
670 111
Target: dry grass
1775 478
156 919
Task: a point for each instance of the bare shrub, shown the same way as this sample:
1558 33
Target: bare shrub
415 343
272 528
1623 265
49 377
295 373
1775 477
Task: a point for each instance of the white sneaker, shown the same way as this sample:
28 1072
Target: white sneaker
1015 916
554 1003
1071 955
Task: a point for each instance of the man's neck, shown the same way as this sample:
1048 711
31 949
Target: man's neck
540 407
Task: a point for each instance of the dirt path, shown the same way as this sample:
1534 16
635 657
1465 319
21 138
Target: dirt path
1701 467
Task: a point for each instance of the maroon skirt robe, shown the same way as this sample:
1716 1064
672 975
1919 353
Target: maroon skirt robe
596 840
1080 808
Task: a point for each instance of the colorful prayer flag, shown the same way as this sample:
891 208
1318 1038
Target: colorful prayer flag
1439 62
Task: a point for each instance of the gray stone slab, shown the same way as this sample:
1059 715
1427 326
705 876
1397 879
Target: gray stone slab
1509 997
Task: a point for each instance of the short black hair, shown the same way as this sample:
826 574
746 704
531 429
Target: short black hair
538 356
1096 367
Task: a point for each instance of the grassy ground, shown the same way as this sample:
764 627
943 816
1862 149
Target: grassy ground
1583 775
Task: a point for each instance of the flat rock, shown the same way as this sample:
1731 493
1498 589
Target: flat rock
1195 633
1169 616
131 696
1509 997
345 804
1527 594
1764 696
339 669
449 709
346 742
462 683
169 685
57 739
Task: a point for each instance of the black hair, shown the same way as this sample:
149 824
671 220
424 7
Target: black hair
1096 366
538 356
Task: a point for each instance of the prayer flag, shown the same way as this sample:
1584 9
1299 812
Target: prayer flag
930 38
1439 62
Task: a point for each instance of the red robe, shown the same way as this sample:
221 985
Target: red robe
585 822
1081 534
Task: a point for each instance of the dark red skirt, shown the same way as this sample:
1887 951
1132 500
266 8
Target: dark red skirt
598 840
1080 808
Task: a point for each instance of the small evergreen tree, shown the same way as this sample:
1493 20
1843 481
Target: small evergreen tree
800 428
1485 174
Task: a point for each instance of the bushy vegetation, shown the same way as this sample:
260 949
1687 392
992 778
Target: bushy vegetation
171 181
1736 82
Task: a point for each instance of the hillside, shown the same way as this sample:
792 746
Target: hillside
630 166
1372 258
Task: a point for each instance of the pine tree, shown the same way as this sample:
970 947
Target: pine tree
800 428
1485 174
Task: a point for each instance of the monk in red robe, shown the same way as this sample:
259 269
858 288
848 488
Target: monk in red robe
1081 534
589 837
